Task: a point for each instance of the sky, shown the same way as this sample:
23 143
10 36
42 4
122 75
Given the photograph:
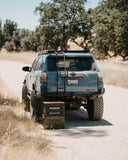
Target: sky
22 11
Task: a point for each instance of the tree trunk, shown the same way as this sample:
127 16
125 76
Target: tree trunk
124 56
64 47
64 43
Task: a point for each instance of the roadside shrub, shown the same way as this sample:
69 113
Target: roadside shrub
10 46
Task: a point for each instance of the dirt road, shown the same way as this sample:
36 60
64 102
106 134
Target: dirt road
83 139
12 75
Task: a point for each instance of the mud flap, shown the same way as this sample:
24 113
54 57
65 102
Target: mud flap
54 115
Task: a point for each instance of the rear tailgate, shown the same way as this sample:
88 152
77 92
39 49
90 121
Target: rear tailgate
80 83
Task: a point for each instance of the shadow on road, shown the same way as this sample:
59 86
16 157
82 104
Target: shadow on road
77 125
79 118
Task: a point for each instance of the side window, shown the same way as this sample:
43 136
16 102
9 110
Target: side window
34 65
40 64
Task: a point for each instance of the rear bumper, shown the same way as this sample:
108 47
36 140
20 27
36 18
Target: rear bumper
63 95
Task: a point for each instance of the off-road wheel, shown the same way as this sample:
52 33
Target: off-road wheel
36 109
95 108
25 98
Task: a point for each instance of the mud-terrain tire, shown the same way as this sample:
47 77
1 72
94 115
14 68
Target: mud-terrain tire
25 98
95 108
36 109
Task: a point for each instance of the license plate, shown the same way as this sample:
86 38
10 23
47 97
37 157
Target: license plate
73 82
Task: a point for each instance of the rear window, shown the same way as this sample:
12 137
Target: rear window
71 63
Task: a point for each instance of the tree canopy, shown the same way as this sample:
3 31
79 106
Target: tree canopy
111 28
14 39
60 21
8 29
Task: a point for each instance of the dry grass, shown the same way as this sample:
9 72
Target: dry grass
8 101
115 72
24 57
20 137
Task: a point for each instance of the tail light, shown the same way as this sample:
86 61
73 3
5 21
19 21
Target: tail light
43 78
101 88
100 77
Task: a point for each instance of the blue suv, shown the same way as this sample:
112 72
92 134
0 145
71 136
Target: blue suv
72 77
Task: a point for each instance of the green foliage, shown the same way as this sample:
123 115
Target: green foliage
10 46
16 39
111 28
60 21
11 37
47 37
117 4
29 43
8 30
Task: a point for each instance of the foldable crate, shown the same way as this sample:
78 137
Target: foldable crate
53 115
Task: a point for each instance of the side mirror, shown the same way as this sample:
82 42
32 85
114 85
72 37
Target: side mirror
27 69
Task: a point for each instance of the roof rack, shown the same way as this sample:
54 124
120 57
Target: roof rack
60 52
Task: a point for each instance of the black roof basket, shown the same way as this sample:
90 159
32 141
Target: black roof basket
60 52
